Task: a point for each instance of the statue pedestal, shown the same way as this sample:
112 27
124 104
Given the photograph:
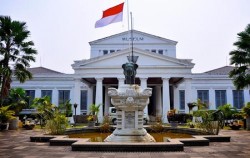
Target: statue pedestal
130 101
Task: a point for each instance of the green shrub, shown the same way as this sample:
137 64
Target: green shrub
57 124
157 127
202 113
66 108
105 126
246 109
6 114
212 120
228 111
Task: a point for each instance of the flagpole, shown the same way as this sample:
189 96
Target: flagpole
128 14
128 25
132 38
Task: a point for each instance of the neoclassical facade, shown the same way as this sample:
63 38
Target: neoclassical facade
171 79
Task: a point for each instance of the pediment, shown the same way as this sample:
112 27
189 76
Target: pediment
138 36
146 59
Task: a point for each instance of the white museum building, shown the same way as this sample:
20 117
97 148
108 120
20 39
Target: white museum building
171 79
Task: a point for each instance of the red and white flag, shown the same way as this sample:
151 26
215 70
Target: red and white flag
111 15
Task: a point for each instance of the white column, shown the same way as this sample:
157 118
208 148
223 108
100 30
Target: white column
211 102
143 83
188 94
176 97
246 95
77 96
158 101
230 96
144 86
38 93
55 96
107 101
90 97
165 99
98 98
120 81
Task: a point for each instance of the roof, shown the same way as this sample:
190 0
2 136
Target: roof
220 71
134 31
42 70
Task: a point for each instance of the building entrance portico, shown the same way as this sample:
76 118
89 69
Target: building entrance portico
161 72
155 108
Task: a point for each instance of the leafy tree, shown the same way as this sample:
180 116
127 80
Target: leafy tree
94 110
241 59
57 123
6 114
16 99
16 52
228 111
66 108
44 108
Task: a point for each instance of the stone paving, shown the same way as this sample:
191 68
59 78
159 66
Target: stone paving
16 144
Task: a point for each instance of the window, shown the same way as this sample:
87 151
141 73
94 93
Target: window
182 99
105 52
47 93
84 101
31 96
203 95
63 96
238 98
153 50
220 97
112 51
160 51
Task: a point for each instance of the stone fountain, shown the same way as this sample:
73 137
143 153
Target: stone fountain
130 101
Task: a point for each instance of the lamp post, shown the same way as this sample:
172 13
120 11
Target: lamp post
75 106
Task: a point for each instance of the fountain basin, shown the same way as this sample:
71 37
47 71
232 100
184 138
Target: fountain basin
159 137
83 144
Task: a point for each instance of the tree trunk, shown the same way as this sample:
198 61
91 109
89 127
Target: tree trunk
248 123
5 87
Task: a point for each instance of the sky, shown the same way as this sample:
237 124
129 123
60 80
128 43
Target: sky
62 29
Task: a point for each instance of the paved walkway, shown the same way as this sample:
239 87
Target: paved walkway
16 144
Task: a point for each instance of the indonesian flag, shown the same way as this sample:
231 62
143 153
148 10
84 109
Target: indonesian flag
111 15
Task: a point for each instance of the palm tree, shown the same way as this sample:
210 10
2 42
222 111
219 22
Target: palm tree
16 52
44 109
94 110
241 59
17 100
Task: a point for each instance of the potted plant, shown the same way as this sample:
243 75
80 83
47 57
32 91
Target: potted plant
94 110
17 101
172 118
91 121
234 125
5 116
29 125
246 112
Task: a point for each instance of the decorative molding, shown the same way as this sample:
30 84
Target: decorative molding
99 79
